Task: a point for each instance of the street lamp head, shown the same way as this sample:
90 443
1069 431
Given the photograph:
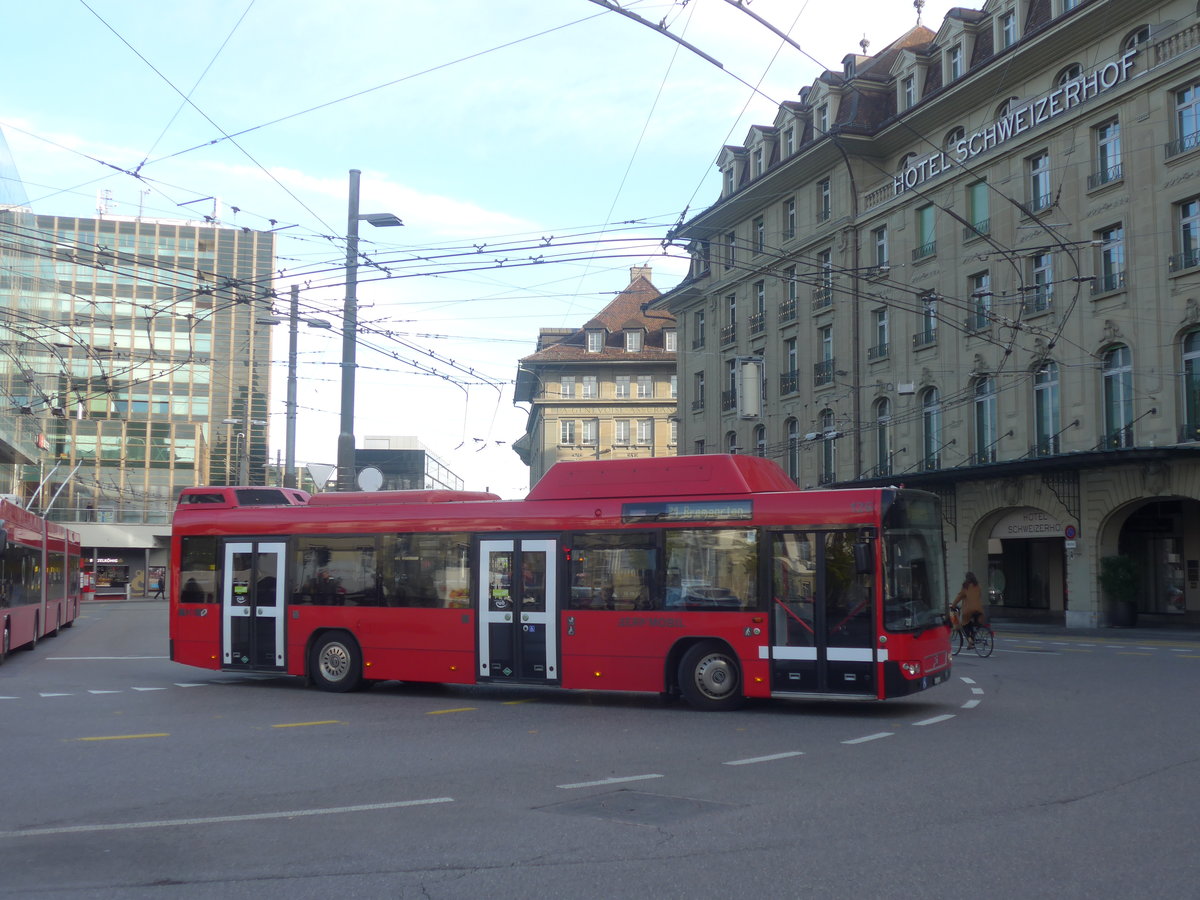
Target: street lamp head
381 220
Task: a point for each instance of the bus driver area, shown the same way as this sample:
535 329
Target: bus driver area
708 576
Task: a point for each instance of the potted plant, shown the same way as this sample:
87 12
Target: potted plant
1120 577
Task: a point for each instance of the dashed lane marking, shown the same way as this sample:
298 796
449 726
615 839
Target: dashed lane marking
971 704
442 712
870 737
762 759
125 737
604 781
219 820
935 720
307 724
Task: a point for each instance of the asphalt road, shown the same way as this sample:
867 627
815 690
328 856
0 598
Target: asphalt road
1064 767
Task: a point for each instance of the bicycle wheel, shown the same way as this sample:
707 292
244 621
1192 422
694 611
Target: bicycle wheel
956 643
985 638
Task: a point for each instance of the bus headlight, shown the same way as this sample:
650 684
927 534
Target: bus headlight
911 669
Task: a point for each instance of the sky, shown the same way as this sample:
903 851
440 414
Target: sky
535 150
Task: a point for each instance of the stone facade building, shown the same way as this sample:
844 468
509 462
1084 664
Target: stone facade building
603 391
970 263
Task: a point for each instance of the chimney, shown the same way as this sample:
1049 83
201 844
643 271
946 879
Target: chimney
636 272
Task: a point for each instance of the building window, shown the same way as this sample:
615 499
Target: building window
698 391
1187 120
953 136
645 431
1110 270
730 249
828 473
645 386
591 387
978 210
595 341
928 333
670 340
908 92
634 340
621 431
674 386
674 439
824 200
931 429
622 387
823 369
789 379
760 440
1039 292
566 387
1136 38
1189 236
1190 431
789 141
954 62
729 397
1118 398
757 161
926 233
822 121
1067 75
880 330
729 328
823 293
789 218
731 444
698 447
1006 107
1008 29
979 315
698 329
879 239
591 431
567 431
1046 420
986 435
729 181
792 430
1038 168
1107 141
883 437
760 234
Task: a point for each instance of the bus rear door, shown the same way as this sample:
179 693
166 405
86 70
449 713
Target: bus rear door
822 620
252 606
518 610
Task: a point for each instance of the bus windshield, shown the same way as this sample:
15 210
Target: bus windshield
914 578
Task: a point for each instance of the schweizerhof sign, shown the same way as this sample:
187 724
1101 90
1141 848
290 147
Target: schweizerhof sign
1017 121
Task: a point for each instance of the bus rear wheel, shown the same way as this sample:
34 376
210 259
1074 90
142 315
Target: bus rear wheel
710 678
336 663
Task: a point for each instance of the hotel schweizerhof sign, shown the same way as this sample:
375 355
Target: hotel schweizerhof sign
1017 121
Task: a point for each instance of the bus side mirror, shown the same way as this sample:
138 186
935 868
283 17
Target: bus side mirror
864 558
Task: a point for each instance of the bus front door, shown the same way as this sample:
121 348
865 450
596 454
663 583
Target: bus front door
518 606
252 606
822 621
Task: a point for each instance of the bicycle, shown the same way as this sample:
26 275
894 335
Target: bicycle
978 637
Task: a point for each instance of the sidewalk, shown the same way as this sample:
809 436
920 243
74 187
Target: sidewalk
1183 634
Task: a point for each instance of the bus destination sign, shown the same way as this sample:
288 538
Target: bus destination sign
687 511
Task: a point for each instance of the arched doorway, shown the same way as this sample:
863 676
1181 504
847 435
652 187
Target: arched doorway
1026 571
1163 536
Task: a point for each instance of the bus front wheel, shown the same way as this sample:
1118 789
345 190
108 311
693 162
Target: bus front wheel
710 678
336 663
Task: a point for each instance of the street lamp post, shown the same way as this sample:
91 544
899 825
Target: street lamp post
243 447
345 445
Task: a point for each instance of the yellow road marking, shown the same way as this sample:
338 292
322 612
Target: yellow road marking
306 724
124 737
515 702
441 712
1132 653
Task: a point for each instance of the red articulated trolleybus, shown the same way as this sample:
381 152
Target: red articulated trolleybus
709 576
39 578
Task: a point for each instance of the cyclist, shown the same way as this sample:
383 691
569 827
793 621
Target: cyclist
968 603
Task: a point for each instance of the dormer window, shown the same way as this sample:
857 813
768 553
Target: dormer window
822 120
729 180
1007 28
789 141
758 161
908 92
634 340
954 62
595 341
670 342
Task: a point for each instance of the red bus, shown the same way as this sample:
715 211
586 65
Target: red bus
707 576
39 578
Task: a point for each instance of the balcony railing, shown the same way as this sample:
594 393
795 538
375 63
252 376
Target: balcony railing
1040 300
1108 282
924 251
1105 176
758 323
1189 432
826 478
879 351
1047 446
822 298
926 338
698 404
977 229
823 372
1182 145
1040 202
787 310
984 456
979 321
728 400
930 463
882 470
789 382
1189 259
1117 439
728 334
